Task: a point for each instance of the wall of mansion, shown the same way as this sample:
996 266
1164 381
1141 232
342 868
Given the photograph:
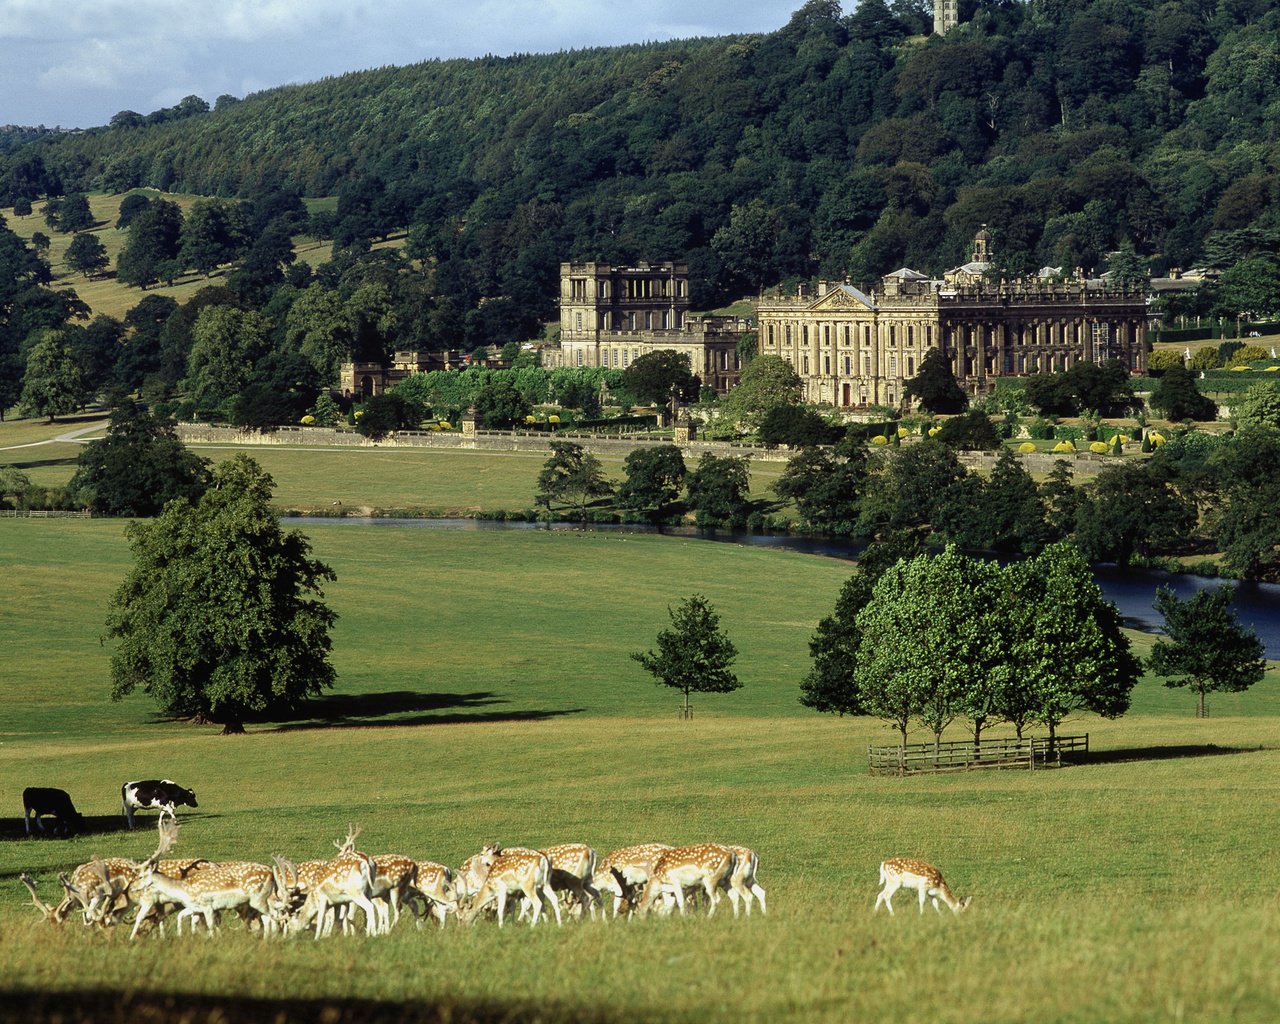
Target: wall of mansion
612 315
853 349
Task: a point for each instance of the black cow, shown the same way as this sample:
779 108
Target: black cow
152 794
38 801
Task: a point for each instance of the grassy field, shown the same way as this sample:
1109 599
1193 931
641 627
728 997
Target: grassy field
320 479
485 693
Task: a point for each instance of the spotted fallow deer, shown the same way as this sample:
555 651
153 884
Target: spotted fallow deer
704 864
394 879
515 870
209 889
742 882
326 884
908 873
472 872
624 872
435 887
573 865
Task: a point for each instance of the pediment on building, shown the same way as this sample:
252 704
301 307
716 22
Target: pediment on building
843 296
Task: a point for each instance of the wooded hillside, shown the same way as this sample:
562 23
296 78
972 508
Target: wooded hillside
837 145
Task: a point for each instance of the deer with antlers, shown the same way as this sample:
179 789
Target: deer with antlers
908 873
231 885
326 885
515 870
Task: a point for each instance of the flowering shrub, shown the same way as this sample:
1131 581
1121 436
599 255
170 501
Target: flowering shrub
308 420
1064 446
1026 447
1099 448
879 439
1156 438
934 431
445 425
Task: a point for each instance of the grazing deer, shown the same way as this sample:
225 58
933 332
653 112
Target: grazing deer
624 872
394 879
326 884
573 865
471 874
908 873
742 883
99 888
231 885
704 864
515 870
435 885
50 913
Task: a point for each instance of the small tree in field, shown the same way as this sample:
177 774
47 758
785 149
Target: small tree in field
572 475
694 655
1207 648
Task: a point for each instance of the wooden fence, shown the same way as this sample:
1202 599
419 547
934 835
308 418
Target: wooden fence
962 755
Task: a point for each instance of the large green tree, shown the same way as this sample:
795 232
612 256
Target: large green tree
153 243
138 467
1207 649
655 477
226 343
826 485
930 645
1177 396
719 490
766 382
54 382
222 615
935 385
87 254
658 377
694 655
1067 650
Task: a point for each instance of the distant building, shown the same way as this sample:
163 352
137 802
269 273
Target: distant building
363 380
610 316
853 348
946 16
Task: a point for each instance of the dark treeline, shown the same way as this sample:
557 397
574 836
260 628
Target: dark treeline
850 144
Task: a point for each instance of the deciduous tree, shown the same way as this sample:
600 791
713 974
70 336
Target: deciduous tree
87 254
571 476
694 655
935 385
655 477
138 467
221 615
1207 648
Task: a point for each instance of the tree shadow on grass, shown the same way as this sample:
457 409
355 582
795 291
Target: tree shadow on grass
1168 753
407 707
34 1006
144 824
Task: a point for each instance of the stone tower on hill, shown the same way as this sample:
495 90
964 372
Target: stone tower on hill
946 16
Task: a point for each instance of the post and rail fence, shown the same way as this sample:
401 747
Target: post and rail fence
1030 752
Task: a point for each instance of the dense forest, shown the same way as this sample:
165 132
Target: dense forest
837 145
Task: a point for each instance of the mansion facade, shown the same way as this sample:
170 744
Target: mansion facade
610 316
853 349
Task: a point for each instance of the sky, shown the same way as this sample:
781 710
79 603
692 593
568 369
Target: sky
76 63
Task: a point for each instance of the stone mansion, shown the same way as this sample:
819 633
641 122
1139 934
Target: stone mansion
853 348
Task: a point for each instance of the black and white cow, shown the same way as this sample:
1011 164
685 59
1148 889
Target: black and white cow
38 801
163 794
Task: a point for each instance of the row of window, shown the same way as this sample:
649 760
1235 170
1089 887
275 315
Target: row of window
632 288
1065 334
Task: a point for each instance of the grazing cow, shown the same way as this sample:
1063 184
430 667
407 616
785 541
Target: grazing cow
38 801
161 794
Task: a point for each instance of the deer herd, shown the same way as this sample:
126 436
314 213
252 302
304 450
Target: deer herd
317 896
356 891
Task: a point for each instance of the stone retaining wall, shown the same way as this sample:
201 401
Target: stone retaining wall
1084 464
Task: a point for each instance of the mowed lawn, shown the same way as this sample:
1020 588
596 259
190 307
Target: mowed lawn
365 480
485 693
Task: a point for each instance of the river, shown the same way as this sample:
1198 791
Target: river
1133 591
